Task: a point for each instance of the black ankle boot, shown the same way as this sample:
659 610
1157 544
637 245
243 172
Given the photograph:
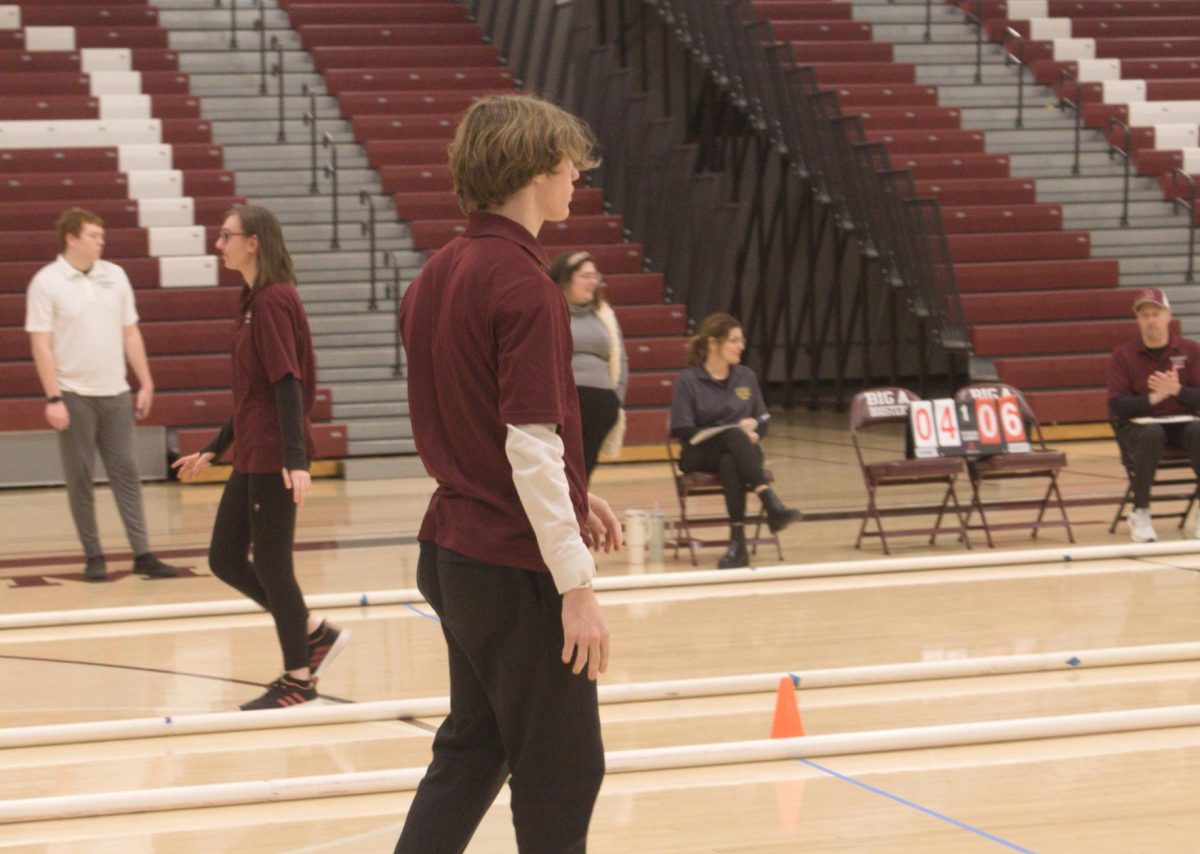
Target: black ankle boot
779 515
735 556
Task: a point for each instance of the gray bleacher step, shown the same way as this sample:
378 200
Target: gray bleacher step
1154 280
381 409
205 5
210 40
1045 116
1010 140
245 60
351 292
1053 164
357 339
384 447
254 158
208 85
208 17
993 72
375 321
984 95
331 260
394 233
365 373
902 31
1105 188
264 107
961 54
1164 267
369 391
369 467
265 132
366 429
349 357
895 13
316 207
348 306
350 182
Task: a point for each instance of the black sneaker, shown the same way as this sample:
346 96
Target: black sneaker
150 566
284 693
96 569
323 644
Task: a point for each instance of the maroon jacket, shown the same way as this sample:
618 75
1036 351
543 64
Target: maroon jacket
1129 370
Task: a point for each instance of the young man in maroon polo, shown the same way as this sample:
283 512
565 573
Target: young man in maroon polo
1155 375
504 544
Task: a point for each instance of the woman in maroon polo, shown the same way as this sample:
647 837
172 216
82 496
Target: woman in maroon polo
274 386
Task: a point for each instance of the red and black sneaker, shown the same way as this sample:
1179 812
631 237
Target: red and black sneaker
284 693
323 646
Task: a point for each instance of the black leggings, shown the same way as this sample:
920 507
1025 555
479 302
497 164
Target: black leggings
736 459
258 510
598 409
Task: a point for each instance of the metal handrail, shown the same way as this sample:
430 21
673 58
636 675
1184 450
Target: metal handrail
1190 205
1127 155
1009 34
1065 76
232 22
928 20
368 229
310 121
277 71
392 292
978 8
261 26
331 171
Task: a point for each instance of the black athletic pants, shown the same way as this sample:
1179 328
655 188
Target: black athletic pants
516 711
598 408
1142 445
258 511
736 459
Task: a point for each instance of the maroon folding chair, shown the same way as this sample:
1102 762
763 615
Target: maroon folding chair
877 407
1038 461
699 484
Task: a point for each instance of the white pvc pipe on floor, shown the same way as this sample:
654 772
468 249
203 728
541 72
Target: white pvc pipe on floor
617 762
402 596
382 710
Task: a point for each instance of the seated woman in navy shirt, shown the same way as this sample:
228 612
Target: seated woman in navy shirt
719 415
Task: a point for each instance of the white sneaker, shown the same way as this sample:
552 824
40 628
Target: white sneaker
1141 529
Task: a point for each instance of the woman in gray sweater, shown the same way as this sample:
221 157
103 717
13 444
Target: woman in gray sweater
600 365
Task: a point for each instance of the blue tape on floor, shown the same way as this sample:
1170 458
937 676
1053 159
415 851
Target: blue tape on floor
918 807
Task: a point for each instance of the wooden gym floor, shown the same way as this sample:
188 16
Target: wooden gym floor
1106 792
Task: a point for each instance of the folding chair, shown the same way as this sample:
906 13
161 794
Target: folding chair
699 484
1174 480
1039 461
889 405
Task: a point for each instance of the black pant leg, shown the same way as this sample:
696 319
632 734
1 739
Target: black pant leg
1142 445
507 625
229 550
598 409
736 459
469 766
273 531
1187 438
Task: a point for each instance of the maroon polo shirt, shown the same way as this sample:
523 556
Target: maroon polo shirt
1131 365
272 340
488 340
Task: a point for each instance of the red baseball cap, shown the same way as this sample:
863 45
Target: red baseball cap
1154 295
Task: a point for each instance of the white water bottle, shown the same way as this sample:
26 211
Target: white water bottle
635 535
656 535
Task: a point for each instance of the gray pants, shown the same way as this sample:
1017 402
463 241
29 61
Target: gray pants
103 424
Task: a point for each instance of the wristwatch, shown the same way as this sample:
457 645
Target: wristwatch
56 398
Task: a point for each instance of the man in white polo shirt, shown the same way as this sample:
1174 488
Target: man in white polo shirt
82 327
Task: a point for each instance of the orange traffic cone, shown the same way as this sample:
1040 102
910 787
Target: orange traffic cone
787 723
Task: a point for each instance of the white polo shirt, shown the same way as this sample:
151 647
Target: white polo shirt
86 314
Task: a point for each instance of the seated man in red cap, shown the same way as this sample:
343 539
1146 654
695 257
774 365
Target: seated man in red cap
1154 376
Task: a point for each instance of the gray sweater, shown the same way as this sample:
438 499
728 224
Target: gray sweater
592 346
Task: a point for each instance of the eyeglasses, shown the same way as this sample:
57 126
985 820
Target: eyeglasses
590 277
223 235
